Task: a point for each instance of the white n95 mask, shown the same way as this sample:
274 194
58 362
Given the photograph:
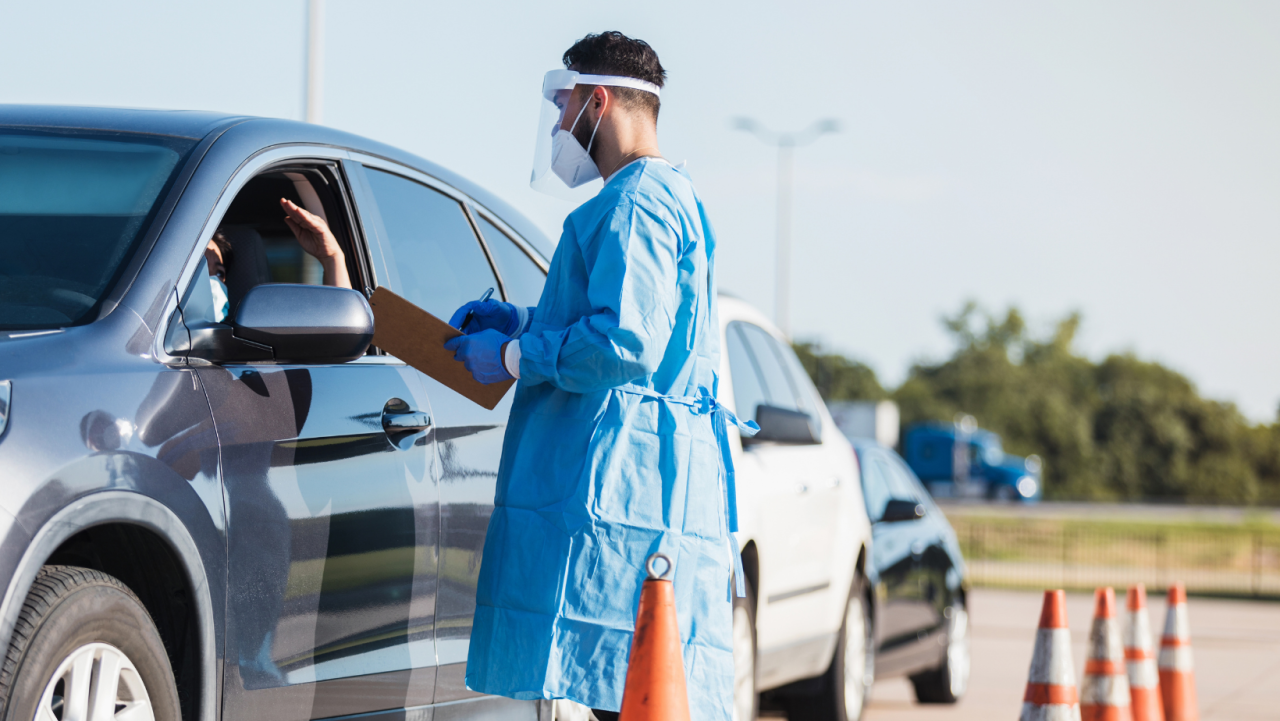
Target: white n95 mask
559 160
569 160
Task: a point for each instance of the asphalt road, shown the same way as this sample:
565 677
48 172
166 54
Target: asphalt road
1236 646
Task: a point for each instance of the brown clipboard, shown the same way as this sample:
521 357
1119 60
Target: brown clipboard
416 337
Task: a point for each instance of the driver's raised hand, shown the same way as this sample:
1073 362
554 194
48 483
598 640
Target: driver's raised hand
317 240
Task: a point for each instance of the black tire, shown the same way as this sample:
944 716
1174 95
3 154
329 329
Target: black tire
948 681
829 700
744 611
68 609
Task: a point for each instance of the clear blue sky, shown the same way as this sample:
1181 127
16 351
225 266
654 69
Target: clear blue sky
1117 158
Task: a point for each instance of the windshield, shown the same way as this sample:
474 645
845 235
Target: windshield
72 208
991 450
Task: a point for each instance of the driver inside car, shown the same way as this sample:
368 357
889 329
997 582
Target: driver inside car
312 234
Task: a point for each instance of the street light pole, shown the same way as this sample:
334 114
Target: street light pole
786 144
315 60
782 277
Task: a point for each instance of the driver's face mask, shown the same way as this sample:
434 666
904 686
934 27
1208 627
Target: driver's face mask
221 300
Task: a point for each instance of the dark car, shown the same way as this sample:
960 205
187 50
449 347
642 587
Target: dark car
248 514
918 577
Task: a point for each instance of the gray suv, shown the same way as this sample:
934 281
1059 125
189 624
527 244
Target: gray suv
221 499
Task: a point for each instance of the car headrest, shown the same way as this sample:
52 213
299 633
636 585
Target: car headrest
247 266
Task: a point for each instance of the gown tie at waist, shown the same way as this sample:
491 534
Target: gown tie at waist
702 404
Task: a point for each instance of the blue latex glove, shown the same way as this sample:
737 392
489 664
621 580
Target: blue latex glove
481 353
489 314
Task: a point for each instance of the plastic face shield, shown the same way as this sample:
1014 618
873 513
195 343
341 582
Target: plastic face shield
557 87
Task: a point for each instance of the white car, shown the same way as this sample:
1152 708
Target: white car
803 634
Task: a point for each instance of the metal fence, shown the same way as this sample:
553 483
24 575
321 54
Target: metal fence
1040 553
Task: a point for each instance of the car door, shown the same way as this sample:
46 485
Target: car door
795 552
332 525
435 259
896 549
934 569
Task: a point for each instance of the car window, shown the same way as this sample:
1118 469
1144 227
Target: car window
875 485
786 383
198 307
907 479
521 277
801 386
900 485
777 386
255 245
73 209
432 253
748 393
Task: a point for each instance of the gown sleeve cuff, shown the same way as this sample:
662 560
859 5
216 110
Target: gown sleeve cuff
524 317
511 358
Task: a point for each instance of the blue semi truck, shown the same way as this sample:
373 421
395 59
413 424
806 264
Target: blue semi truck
961 460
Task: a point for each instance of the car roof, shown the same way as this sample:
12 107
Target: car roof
198 125
865 444
732 308
193 124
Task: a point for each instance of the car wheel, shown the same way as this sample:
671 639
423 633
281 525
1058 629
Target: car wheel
746 699
843 690
948 682
85 648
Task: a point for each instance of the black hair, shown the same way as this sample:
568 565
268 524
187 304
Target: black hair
224 245
612 53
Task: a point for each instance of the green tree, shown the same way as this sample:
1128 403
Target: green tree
838 378
1120 429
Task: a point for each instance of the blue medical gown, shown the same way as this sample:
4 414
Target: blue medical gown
595 475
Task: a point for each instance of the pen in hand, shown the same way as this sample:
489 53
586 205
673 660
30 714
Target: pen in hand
470 313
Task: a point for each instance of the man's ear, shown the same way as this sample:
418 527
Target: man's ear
601 99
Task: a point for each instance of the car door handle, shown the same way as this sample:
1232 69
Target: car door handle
405 421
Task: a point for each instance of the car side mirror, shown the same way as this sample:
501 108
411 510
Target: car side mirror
783 425
288 323
899 510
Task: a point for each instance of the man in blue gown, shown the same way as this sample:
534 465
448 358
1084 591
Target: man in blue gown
615 447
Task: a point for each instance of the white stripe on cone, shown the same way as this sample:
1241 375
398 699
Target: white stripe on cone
1051 662
1108 684
1104 691
1143 674
1137 635
1137 631
1052 712
1177 625
1176 658
1177 678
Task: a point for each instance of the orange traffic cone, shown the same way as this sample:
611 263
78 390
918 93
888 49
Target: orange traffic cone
1104 690
1139 655
1051 683
655 689
1177 673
